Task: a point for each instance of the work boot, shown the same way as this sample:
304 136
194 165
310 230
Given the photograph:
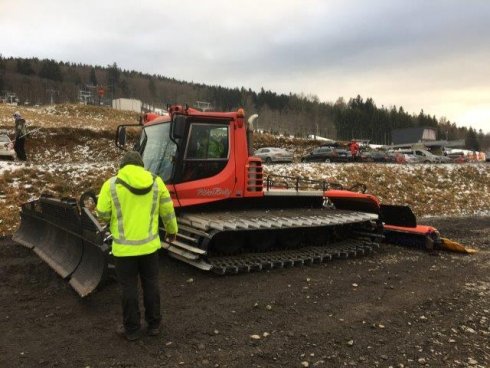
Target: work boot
153 330
130 336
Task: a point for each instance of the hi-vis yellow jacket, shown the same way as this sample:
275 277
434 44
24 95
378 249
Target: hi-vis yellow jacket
132 202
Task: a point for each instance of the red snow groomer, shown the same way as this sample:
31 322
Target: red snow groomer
231 218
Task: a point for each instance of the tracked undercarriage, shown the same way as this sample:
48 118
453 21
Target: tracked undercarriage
243 241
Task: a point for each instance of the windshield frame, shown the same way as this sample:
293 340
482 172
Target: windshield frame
158 150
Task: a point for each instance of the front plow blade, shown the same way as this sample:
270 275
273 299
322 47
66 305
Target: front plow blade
66 240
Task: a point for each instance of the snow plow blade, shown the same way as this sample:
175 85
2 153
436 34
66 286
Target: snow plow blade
67 239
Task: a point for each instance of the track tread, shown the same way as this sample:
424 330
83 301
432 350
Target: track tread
290 258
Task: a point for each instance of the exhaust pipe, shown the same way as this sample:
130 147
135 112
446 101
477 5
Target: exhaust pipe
250 133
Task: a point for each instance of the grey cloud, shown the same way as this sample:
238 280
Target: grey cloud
385 48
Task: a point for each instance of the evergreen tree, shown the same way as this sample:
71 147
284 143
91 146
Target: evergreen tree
93 77
472 140
50 69
24 67
126 93
113 75
152 88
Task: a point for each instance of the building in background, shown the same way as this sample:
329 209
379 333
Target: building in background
425 138
127 104
412 135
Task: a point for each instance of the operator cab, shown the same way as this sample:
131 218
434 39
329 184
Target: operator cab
184 149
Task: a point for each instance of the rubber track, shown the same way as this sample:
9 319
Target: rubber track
288 258
195 226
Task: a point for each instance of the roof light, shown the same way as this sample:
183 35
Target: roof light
240 113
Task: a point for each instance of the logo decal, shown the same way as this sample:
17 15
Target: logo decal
213 192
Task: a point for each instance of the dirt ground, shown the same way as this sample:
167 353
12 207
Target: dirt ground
400 308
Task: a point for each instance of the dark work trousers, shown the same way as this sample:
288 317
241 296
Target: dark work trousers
19 148
127 270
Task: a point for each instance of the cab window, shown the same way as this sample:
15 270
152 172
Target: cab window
207 151
207 142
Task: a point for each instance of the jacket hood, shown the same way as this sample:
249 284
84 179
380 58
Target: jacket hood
135 177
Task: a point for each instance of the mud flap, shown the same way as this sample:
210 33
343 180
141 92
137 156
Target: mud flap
69 242
397 215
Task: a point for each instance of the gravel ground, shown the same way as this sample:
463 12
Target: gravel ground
399 307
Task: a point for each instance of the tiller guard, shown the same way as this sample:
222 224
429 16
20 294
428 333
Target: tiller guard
399 222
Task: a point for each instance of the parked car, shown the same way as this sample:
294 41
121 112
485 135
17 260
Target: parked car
6 147
343 155
457 157
393 156
403 157
321 154
424 155
412 159
274 154
444 159
375 156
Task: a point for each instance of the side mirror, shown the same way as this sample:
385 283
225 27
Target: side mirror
177 129
127 135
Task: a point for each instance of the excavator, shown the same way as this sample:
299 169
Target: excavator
231 217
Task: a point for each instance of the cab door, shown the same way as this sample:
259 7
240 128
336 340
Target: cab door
207 170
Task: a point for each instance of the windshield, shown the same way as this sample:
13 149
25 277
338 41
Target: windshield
158 150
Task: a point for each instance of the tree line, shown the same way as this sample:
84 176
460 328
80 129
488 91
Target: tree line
44 81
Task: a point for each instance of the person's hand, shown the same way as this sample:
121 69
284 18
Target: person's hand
170 238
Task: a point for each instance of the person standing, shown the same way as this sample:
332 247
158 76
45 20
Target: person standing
20 136
131 203
354 149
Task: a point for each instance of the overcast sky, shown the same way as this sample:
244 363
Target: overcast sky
420 54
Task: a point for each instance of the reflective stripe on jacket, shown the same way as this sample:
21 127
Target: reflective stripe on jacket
132 202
